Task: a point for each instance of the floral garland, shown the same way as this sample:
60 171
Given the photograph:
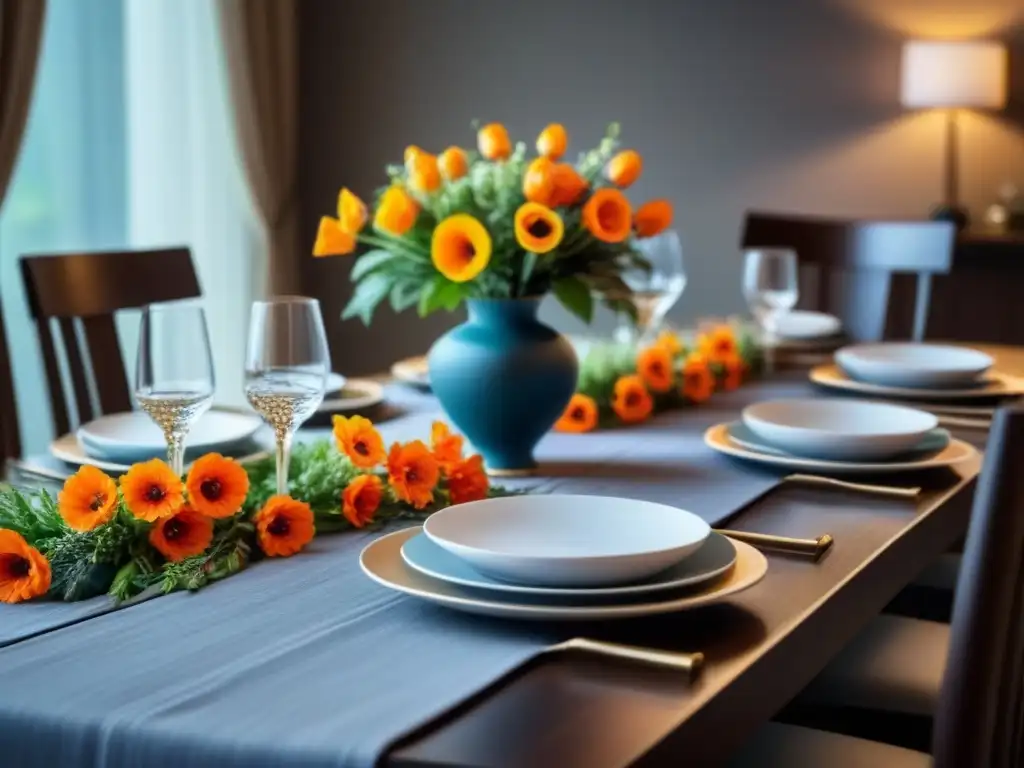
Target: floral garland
619 385
151 529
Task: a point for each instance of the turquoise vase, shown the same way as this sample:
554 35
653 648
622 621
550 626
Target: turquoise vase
504 378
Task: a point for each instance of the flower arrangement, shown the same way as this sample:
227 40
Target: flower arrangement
493 223
621 385
151 529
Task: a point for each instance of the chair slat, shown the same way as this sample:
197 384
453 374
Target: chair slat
76 369
54 383
10 435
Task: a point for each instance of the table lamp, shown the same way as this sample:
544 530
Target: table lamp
953 75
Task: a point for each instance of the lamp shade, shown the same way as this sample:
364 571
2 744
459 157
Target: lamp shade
954 74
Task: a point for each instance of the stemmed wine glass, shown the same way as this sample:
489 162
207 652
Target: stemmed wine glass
770 285
657 289
286 368
174 372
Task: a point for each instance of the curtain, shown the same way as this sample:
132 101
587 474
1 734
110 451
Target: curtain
260 41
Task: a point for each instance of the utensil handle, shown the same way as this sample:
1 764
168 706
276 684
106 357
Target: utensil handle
689 663
962 423
881 490
813 547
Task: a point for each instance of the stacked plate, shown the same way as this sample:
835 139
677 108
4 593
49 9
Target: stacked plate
564 557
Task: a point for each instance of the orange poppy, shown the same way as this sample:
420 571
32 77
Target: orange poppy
284 526
630 400
447 447
410 154
361 498
539 181
579 416
453 163
624 168
698 380
88 499
733 369
24 570
332 240
652 218
467 481
654 365
413 473
552 141
493 142
182 535
670 341
538 228
151 490
217 486
351 211
396 212
424 173
719 344
357 438
460 248
608 216
569 186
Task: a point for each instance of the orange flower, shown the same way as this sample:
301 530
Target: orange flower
89 499
493 142
453 163
351 212
733 368
652 217
624 168
654 365
608 216
152 491
410 154
396 212
538 228
182 535
24 571
579 416
357 438
670 341
447 447
698 380
467 481
217 486
552 141
361 498
413 473
718 344
332 240
539 181
631 400
460 248
284 526
424 173
569 185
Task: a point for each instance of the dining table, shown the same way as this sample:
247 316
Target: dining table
148 683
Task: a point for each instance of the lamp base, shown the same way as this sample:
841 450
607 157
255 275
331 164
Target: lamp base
954 213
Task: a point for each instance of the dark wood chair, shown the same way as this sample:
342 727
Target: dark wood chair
10 436
975 686
80 293
874 275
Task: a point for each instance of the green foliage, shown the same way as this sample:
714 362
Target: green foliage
317 474
574 295
74 573
36 518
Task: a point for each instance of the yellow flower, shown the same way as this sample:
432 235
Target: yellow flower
453 163
538 228
552 142
460 248
424 174
332 240
670 341
624 168
351 212
396 212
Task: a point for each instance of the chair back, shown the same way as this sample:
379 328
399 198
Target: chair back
10 437
980 718
80 293
874 275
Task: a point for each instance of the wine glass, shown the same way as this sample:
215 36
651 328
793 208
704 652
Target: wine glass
286 368
770 285
174 372
657 289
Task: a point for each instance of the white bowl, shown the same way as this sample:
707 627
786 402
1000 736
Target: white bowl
565 540
913 365
844 430
801 324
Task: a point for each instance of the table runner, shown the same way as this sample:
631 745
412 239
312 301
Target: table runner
305 662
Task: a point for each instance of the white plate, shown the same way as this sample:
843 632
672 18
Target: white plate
841 430
993 385
412 370
926 366
714 557
957 452
931 444
68 450
357 395
335 383
800 324
382 561
561 540
133 436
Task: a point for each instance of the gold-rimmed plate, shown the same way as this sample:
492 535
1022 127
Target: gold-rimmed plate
993 385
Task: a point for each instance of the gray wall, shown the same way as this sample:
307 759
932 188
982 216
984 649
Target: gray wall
781 104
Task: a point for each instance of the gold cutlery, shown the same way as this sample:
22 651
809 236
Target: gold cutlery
688 663
815 548
902 492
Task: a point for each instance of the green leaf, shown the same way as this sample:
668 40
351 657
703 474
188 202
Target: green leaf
405 294
451 296
441 293
575 296
369 262
369 293
529 262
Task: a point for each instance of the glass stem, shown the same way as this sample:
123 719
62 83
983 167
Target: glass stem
176 452
284 451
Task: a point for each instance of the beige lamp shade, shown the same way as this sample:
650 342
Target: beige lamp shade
954 74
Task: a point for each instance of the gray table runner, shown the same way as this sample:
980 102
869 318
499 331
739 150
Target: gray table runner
305 662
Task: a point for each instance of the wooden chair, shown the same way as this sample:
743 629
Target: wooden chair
10 437
862 271
978 699
83 291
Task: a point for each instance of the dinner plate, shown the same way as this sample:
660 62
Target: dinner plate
714 557
335 383
911 365
67 449
992 386
564 540
838 429
718 439
356 395
801 324
930 445
412 370
382 561
133 436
